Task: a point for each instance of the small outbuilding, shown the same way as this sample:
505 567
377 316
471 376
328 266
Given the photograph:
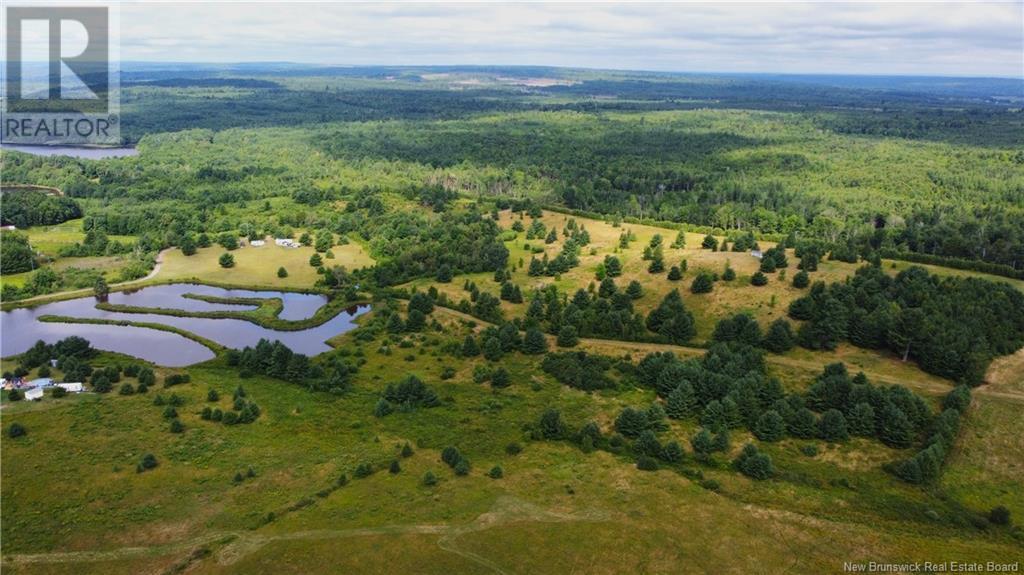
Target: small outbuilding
75 387
34 393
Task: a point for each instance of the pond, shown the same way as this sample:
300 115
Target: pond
21 329
74 151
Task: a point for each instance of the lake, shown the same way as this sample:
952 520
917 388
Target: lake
74 151
21 329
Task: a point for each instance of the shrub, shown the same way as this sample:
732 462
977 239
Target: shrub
999 515
646 463
754 464
177 426
227 260
281 272
429 479
148 462
16 430
363 470
451 456
462 468
513 448
496 472
395 467
407 450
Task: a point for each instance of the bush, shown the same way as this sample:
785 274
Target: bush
15 395
227 260
754 464
363 470
513 448
395 467
281 272
148 462
646 463
496 472
177 426
429 479
462 468
999 515
16 430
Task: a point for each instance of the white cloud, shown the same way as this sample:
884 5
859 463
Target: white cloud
969 38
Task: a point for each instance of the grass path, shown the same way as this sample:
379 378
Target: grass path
237 545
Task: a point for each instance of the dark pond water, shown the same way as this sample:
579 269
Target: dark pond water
74 151
20 329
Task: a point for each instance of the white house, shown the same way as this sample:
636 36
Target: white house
72 387
34 393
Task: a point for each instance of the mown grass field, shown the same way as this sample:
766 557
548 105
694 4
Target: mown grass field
258 266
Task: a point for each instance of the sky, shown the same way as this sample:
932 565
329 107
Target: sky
919 38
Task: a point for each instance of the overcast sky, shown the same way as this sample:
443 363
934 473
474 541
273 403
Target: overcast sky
932 38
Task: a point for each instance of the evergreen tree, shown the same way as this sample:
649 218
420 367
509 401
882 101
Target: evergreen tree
281 272
227 260
779 338
492 349
429 479
681 401
672 452
631 422
672 320
567 336
702 283
728 274
500 378
315 260
801 279
674 274
895 429
832 426
648 444
608 288
758 279
803 424
770 426
534 343
612 266
469 347
710 243
395 468
702 443
551 426
634 290
861 421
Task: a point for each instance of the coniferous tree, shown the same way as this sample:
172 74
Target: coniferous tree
534 343
801 279
703 283
832 426
634 290
779 338
770 426
861 421
681 401
469 347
